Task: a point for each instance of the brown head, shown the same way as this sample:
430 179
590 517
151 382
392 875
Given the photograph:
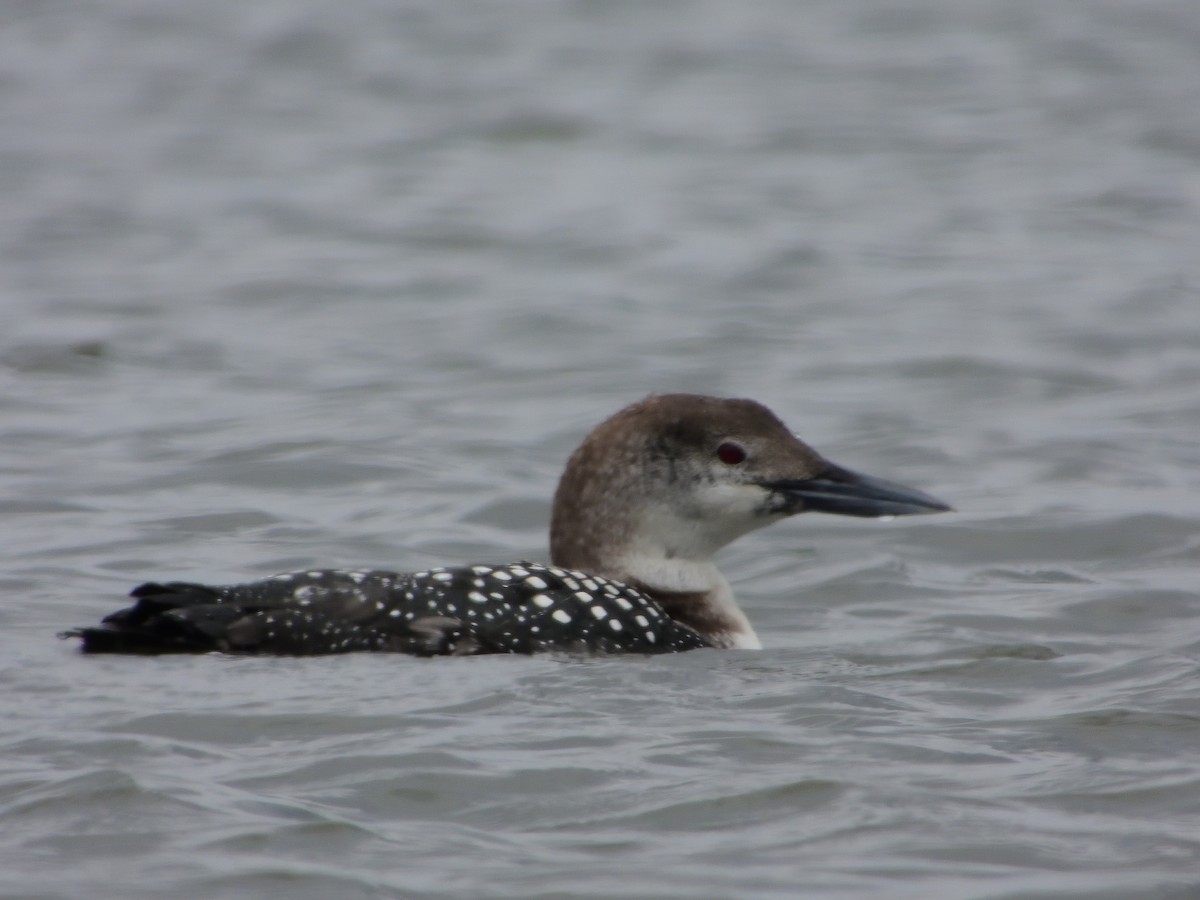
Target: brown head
682 475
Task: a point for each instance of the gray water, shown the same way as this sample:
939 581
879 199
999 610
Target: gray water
296 284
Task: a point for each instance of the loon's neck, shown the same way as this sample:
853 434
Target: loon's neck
694 593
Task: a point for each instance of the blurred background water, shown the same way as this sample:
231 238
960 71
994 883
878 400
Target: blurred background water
287 284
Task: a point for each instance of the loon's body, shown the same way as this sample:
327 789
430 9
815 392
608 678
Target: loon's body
643 505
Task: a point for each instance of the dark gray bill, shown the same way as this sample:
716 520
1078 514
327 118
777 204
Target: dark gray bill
847 493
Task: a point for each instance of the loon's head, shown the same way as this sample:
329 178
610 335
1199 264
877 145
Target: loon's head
678 476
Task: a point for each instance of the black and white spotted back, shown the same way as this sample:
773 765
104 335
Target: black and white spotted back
518 608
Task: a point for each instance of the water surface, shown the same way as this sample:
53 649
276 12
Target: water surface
284 286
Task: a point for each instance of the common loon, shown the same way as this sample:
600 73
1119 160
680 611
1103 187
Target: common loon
644 503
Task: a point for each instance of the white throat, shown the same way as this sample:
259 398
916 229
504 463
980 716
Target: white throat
711 597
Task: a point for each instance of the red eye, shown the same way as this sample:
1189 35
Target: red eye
731 454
